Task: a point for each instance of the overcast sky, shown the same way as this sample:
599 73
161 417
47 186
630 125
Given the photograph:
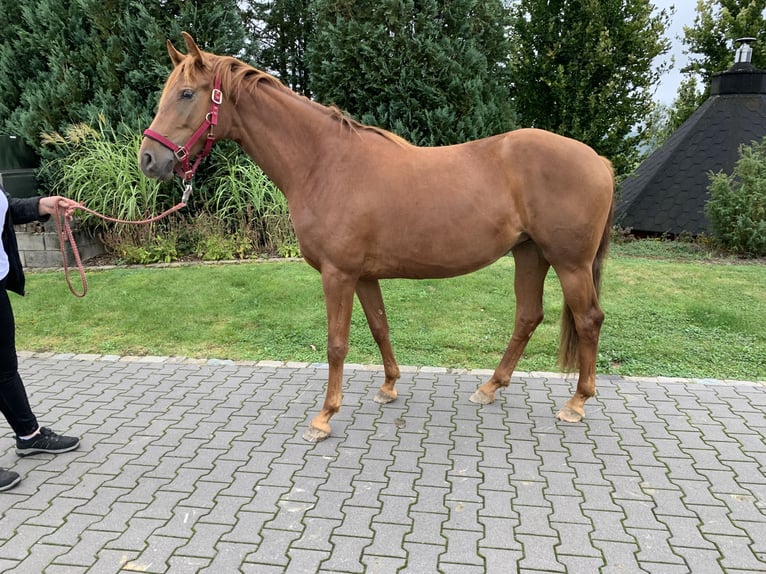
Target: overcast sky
684 16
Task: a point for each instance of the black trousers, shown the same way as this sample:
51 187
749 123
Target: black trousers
14 403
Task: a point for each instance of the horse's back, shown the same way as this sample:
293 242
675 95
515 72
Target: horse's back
528 161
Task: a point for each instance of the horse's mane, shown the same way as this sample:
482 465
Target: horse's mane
238 76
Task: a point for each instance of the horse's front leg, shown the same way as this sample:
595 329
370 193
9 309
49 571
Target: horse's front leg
372 302
339 299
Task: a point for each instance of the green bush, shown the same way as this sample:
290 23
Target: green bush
737 205
211 238
243 195
142 244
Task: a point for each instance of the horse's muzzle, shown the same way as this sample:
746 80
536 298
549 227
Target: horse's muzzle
158 164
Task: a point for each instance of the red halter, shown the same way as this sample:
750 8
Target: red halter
184 168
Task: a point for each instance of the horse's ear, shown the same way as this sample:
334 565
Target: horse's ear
191 47
175 56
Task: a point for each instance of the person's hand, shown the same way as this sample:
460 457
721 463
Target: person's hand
48 205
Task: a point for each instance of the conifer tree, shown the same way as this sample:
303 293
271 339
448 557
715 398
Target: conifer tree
97 61
585 70
284 29
432 71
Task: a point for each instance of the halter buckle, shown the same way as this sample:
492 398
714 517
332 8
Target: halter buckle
217 96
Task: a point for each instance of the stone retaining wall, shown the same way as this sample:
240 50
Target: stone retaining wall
39 245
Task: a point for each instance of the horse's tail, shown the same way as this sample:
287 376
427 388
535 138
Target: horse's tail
568 339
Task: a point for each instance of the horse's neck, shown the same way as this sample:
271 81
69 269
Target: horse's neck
284 134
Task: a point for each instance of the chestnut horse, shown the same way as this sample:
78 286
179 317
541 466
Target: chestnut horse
367 205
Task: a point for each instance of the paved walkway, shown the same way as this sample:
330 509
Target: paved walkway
200 467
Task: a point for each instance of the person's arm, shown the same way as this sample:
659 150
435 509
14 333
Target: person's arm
37 208
24 209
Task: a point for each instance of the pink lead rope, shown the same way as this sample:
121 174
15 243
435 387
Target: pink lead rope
65 234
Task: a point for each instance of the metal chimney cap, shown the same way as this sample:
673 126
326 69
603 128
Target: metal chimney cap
744 53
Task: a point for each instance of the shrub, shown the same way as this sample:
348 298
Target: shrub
211 238
737 205
141 244
243 196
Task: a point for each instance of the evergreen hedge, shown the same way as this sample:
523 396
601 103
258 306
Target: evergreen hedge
737 204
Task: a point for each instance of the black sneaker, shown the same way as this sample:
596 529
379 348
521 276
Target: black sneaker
8 479
47 441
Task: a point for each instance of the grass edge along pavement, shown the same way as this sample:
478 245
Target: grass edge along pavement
688 319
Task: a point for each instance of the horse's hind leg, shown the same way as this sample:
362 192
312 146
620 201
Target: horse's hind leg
372 302
529 280
586 319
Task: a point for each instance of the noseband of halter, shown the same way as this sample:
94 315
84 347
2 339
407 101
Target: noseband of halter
184 168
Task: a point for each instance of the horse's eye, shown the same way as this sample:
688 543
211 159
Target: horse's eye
186 94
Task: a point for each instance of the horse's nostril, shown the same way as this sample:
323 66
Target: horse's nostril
148 163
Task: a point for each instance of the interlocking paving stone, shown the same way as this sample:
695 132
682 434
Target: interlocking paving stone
199 466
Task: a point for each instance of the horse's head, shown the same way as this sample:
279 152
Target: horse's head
186 115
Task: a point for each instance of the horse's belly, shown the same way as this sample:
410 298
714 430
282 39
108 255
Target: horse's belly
436 255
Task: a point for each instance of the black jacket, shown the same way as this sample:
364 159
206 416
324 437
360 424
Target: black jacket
20 210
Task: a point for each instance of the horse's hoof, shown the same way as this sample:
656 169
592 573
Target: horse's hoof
314 434
383 398
569 415
481 398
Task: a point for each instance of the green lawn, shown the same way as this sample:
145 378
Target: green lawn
667 314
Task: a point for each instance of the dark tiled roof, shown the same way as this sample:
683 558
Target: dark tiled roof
668 191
